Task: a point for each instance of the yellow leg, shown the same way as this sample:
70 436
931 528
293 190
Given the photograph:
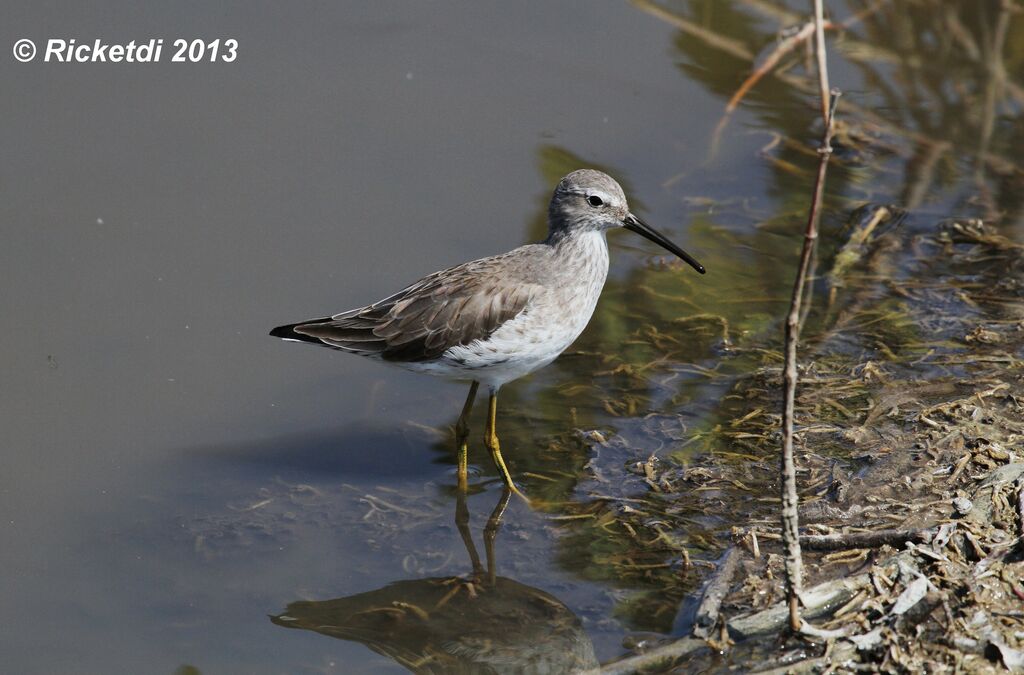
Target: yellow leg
461 436
491 441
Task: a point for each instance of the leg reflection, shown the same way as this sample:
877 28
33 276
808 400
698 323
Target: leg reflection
491 531
462 523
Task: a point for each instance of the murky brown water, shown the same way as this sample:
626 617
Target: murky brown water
173 476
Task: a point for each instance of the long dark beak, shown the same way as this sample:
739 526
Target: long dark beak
634 224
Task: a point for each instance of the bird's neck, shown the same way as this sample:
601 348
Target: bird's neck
564 236
581 248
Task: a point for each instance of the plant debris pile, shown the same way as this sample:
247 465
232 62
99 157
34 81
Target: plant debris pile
910 427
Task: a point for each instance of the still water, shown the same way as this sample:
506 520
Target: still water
179 489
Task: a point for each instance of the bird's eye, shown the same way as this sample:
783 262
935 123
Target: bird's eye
594 200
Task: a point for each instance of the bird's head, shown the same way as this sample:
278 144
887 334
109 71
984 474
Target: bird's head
588 200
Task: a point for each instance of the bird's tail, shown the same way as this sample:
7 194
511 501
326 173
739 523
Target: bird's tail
288 332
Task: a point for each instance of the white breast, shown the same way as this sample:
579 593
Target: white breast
543 330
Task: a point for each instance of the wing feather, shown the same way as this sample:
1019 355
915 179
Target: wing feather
419 323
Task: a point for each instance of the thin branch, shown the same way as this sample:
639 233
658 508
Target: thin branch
1019 484
866 116
789 44
819 48
717 588
790 520
658 658
773 58
844 542
786 46
783 48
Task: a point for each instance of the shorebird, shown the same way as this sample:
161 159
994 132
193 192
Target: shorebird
493 320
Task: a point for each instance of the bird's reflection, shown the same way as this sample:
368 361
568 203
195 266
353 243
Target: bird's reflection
482 623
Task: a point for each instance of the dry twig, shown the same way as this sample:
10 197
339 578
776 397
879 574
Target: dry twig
715 592
790 520
844 541
784 47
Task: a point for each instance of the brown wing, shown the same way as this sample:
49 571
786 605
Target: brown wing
448 308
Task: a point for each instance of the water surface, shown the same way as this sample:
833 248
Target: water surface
173 476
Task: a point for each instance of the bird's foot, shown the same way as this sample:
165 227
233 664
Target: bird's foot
519 493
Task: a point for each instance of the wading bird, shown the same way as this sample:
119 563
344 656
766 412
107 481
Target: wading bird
493 320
